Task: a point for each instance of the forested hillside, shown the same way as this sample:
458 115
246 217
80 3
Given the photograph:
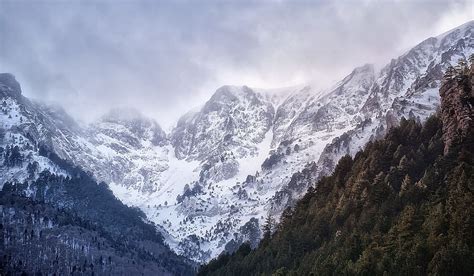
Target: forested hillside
71 225
402 206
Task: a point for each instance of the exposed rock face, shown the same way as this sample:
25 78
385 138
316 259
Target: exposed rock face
124 142
9 81
234 119
457 108
54 217
406 87
236 158
138 126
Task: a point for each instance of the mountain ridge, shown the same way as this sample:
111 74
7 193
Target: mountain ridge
402 205
239 156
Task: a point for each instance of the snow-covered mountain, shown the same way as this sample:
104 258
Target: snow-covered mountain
406 87
70 219
212 180
22 124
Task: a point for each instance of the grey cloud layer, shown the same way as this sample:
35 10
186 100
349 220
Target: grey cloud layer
166 57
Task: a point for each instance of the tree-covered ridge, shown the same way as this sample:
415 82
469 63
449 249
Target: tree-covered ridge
402 206
60 225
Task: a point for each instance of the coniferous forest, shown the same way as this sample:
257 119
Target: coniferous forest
60 225
236 138
402 206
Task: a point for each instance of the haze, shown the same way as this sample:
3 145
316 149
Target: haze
164 58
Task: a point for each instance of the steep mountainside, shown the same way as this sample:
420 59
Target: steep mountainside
212 180
407 87
55 218
129 147
402 206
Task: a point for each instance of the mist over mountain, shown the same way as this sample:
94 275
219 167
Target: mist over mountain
167 57
403 205
252 181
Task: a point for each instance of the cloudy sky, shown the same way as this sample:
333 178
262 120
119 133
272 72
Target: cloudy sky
165 57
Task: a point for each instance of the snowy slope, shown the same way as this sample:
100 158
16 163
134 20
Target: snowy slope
21 129
211 181
406 87
322 126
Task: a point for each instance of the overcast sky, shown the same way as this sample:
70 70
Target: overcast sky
166 57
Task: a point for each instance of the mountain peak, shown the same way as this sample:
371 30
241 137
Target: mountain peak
9 81
368 67
135 122
361 78
462 29
230 92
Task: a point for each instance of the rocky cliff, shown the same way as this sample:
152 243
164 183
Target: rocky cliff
242 155
457 105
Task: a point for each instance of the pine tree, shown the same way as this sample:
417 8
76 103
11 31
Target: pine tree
415 216
268 227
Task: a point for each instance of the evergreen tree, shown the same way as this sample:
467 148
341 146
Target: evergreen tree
399 207
268 227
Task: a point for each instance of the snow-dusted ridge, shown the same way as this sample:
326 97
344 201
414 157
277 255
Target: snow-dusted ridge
210 181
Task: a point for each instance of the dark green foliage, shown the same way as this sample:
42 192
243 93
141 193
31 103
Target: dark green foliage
268 227
400 207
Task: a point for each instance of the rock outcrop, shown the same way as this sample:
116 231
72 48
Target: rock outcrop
11 83
457 106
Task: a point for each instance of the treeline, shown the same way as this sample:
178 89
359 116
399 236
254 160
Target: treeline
399 207
97 228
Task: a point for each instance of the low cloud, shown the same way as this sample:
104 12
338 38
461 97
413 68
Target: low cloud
165 57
